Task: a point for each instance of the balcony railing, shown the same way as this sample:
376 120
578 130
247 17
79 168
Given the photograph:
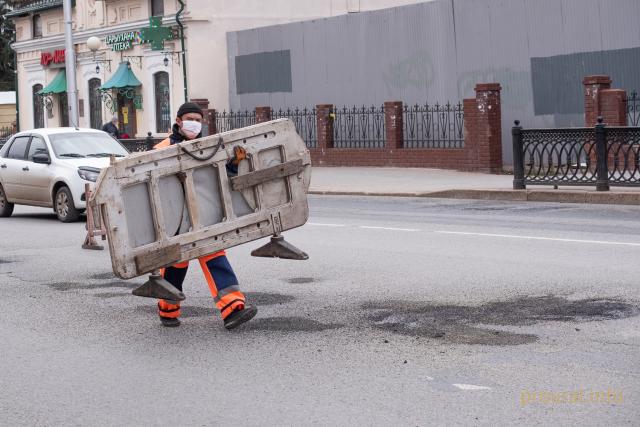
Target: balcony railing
29 6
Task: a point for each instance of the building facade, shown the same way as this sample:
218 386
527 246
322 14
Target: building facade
142 70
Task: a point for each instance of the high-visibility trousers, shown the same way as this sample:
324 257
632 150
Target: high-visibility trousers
221 279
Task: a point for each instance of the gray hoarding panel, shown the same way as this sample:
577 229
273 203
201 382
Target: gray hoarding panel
263 72
438 51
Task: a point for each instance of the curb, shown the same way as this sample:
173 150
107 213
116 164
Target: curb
555 196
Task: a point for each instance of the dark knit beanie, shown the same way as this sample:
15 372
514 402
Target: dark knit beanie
189 107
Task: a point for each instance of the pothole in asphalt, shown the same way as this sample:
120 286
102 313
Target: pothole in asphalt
301 280
465 324
288 324
68 286
265 298
185 310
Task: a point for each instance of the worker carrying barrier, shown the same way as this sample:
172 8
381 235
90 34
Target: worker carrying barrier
201 196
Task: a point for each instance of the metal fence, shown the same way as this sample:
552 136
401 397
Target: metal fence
135 145
602 156
433 126
5 134
633 109
231 120
425 126
359 127
305 122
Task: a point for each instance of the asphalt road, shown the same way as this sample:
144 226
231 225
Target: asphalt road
409 312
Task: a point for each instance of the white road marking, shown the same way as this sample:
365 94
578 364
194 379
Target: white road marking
325 225
555 239
367 227
471 387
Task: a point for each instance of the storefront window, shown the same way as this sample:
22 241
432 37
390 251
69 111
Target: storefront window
38 108
95 104
37 26
163 105
157 7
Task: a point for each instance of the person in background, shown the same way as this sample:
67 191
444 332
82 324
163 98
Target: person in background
112 127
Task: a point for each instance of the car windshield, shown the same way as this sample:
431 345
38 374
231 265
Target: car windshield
85 144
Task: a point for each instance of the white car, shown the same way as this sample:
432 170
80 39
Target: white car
49 168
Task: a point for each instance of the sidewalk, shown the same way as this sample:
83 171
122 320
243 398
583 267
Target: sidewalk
414 182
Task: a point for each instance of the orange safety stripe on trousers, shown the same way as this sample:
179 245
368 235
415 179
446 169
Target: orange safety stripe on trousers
207 274
209 257
171 311
230 302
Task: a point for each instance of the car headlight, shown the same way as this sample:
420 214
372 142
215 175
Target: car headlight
88 173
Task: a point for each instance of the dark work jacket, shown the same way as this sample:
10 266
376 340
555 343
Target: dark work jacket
111 129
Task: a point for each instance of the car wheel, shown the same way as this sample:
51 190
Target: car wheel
64 207
6 208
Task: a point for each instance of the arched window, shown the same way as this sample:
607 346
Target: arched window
37 26
38 108
95 104
163 102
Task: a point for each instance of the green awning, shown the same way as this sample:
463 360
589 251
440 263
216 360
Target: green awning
57 85
123 77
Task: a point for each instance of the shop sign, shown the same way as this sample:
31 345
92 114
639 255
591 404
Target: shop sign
49 58
122 41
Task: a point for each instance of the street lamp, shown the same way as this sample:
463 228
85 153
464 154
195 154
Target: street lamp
94 44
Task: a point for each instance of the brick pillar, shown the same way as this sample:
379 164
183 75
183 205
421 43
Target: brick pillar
483 129
393 122
263 114
324 125
593 85
209 122
613 107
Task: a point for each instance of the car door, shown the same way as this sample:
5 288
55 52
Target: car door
37 177
12 165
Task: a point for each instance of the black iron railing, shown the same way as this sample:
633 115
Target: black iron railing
359 127
5 134
23 7
633 109
602 156
433 126
305 122
231 120
136 145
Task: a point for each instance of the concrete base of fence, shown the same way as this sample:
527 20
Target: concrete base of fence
552 196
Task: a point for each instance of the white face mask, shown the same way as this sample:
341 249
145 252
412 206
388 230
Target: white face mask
191 128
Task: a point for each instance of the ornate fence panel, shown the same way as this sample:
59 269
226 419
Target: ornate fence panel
305 122
231 120
633 109
433 126
623 156
359 127
602 156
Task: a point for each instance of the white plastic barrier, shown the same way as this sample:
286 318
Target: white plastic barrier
182 202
